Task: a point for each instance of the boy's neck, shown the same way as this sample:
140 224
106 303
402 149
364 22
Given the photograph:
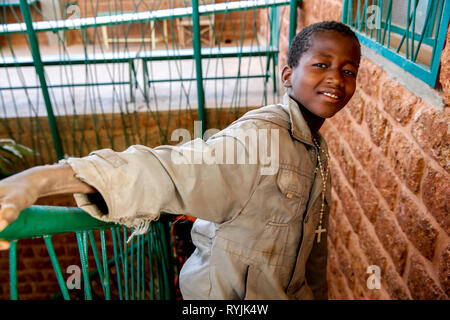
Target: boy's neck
314 122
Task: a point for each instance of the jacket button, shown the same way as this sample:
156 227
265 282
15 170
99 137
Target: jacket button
289 195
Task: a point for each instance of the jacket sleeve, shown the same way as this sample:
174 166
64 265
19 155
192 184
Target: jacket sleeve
136 185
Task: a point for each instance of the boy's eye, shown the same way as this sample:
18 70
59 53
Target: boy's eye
351 73
320 65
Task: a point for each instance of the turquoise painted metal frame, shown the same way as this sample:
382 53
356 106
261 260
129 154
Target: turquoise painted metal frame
423 72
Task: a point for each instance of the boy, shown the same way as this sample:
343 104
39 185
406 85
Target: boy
259 234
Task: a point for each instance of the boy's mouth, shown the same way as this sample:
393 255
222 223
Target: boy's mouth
332 94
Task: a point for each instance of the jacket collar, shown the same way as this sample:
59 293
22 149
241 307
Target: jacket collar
299 128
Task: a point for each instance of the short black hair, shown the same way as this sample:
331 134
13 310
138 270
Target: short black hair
302 41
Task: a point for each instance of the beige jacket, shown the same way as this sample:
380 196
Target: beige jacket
255 232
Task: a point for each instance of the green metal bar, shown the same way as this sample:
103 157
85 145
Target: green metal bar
413 31
293 19
56 268
143 267
210 78
105 266
358 14
125 246
435 58
408 20
40 72
38 221
198 64
380 4
163 266
138 267
116 262
164 238
388 21
365 15
82 248
96 258
67 85
424 28
132 268
13 270
150 267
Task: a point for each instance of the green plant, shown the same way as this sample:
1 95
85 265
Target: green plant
10 153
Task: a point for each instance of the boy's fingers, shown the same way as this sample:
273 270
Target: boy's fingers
8 212
3 225
4 245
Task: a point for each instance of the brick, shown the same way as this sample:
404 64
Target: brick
342 121
391 238
351 208
311 7
407 161
385 182
379 127
30 276
421 284
436 196
368 78
38 264
332 234
444 269
359 264
332 138
359 293
345 265
330 10
335 176
335 278
417 226
26 252
395 285
371 247
397 101
347 164
367 195
24 289
444 75
343 227
431 129
356 106
361 147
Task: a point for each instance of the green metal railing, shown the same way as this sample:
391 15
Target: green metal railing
144 267
236 39
409 33
91 94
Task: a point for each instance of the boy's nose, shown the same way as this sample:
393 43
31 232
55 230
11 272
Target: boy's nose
335 78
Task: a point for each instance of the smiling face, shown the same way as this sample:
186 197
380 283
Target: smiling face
324 79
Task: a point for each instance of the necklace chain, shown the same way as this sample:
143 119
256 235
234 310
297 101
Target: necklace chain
324 175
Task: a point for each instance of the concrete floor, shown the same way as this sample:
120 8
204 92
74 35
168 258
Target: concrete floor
178 95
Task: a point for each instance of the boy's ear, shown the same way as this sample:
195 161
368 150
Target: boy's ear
286 76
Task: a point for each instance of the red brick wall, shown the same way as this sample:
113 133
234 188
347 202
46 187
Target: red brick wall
391 171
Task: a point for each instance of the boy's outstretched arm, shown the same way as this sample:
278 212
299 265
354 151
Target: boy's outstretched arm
21 190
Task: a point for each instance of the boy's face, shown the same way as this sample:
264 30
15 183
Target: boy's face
325 78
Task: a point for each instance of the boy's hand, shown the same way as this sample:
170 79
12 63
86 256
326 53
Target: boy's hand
22 190
17 193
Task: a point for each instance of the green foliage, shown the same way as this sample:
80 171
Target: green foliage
10 153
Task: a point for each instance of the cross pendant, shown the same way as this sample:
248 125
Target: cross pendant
319 231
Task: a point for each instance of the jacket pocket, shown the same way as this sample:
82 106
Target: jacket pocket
293 185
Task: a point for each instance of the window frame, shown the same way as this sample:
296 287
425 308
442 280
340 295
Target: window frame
427 74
